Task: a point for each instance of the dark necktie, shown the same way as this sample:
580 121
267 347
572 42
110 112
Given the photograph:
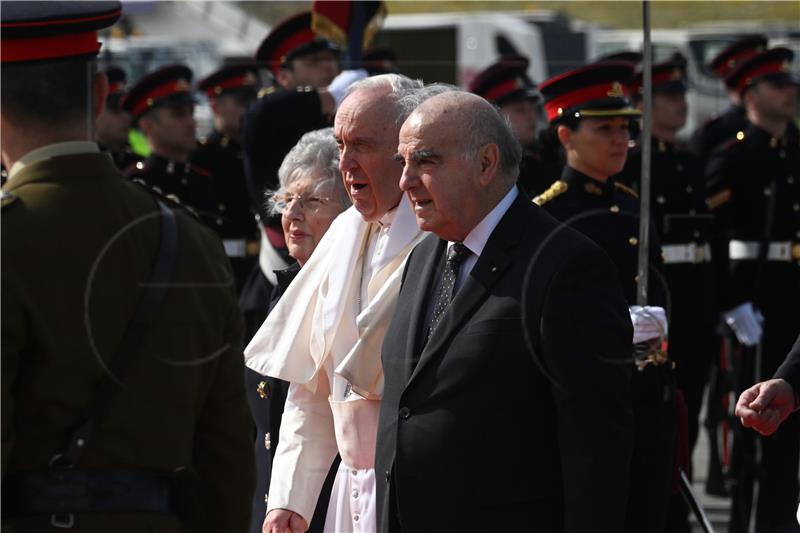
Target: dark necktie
447 284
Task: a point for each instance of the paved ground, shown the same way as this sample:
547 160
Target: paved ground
717 509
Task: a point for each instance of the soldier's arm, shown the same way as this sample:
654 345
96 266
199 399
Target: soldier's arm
223 452
586 348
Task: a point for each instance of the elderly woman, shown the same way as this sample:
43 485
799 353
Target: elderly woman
310 196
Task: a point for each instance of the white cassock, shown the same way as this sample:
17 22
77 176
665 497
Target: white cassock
324 336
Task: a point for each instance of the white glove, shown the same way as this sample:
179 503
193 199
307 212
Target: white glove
745 321
649 323
345 79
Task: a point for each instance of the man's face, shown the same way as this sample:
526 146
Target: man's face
523 115
598 146
441 182
669 110
366 133
171 127
777 101
112 127
228 110
316 69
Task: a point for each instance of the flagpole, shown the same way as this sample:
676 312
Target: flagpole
644 189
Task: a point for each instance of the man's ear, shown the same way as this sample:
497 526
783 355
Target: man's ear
489 160
564 136
100 93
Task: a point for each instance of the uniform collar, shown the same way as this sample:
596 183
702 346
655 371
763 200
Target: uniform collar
587 185
53 150
168 165
763 136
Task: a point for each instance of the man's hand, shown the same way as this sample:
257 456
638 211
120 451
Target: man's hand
284 521
765 405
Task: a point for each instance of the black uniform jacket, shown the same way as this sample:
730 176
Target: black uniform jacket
78 245
519 407
270 128
190 184
754 192
678 210
790 369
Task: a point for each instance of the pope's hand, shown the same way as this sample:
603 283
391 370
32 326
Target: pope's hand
284 521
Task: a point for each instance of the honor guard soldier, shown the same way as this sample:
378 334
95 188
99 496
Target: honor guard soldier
114 123
302 66
231 90
162 107
123 404
754 191
506 84
590 111
685 229
718 130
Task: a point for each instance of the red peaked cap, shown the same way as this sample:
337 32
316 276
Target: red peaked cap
596 90
171 84
726 61
239 77
47 31
773 65
290 39
668 77
505 81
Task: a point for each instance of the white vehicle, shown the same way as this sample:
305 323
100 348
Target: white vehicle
454 47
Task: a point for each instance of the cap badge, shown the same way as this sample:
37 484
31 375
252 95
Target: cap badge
182 85
616 90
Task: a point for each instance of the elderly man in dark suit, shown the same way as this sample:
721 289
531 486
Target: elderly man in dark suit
509 407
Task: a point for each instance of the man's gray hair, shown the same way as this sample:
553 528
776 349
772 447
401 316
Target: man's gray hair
488 125
413 99
316 151
400 88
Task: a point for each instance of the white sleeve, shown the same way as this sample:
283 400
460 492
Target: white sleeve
306 449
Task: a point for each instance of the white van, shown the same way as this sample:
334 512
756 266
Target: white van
454 47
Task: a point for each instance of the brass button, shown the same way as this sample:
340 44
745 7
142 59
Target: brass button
221 207
267 441
689 188
614 209
263 390
636 278
633 241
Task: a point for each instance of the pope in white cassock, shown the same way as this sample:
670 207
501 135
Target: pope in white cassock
325 334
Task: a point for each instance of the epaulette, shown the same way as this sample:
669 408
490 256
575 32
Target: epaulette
266 91
7 198
557 188
624 188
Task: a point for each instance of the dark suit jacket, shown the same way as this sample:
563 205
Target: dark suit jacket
790 369
518 414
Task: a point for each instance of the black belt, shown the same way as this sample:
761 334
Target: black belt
64 491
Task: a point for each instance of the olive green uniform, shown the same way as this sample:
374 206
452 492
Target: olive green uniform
78 244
